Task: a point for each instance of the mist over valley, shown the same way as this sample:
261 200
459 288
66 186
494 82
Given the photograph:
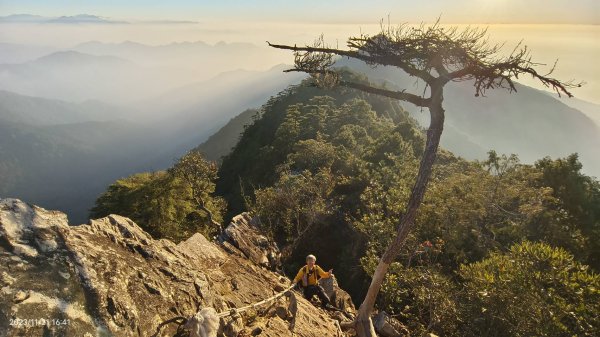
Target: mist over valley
111 109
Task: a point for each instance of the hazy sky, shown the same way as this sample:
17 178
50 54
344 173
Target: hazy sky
349 11
567 30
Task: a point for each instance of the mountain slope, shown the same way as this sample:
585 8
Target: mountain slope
201 60
221 142
528 123
75 76
30 110
590 109
19 53
66 166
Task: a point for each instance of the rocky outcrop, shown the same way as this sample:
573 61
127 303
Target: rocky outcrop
339 298
110 278
244 235
388 326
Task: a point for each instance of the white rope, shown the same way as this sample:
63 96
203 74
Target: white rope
205 321
235 311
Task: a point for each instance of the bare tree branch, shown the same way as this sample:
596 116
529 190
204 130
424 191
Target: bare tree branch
399 95
372 60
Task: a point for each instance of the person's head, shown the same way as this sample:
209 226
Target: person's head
310 260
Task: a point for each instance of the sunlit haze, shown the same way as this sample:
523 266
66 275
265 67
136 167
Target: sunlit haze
563 30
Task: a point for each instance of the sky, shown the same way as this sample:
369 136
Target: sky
567 30
332 11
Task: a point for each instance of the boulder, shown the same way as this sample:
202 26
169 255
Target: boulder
339 297
244 234
27 231
388 326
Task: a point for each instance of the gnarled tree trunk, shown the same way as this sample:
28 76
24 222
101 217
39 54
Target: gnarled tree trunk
363 324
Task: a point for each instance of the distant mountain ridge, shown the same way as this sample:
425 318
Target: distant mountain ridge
11 53
528 122
83 18
80 19
200 58
592 110
75 76
103 47
74 19
121 73
75 58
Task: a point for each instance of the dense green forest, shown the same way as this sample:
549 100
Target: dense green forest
329 172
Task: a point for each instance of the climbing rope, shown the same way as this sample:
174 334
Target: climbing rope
180 321
236 311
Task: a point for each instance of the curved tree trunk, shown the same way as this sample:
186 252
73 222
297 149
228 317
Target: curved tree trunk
202 205
363 323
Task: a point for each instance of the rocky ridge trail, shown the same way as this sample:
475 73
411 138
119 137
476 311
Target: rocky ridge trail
110 278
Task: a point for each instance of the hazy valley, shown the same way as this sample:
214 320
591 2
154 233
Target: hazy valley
68 115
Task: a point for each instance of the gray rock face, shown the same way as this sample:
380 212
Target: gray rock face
28 231
110 278
339 297
388 326
245 236
39 283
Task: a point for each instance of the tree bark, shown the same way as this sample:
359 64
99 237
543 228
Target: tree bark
363 323
211 218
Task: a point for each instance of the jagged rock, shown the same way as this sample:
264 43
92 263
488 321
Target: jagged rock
243 233
231 249
198 245
388 326
7 280
28 231
233 327
20 296
110 278
339 297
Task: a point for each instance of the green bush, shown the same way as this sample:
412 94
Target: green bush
532 290
167 204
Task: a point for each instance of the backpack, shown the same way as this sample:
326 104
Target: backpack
307 273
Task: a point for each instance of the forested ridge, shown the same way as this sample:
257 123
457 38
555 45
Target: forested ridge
329 172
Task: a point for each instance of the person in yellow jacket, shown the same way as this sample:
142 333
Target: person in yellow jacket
309 276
